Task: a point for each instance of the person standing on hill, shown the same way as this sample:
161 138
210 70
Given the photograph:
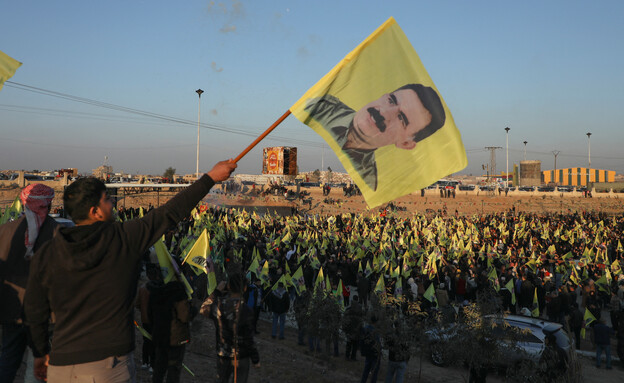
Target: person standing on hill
234 328
279 303
88 274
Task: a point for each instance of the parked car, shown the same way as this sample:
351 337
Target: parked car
526 345
487 188
466 187
565 189
546 189
526 188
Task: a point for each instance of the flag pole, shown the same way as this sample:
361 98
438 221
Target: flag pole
257 140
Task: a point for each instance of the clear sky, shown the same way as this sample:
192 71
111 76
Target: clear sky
549 70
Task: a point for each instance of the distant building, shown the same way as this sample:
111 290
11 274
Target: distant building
103 172
577 176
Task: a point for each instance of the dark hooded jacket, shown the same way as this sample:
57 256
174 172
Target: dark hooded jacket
87 275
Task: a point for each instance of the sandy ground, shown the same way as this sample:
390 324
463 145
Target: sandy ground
463 203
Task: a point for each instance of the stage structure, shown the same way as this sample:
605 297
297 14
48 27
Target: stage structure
279 160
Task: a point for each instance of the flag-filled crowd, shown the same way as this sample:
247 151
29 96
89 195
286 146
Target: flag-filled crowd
539 265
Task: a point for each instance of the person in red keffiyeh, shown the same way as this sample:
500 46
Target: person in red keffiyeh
36 199
19 240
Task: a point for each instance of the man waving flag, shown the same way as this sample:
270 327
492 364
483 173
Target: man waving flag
380 112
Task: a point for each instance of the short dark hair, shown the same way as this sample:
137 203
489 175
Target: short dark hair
81 196
431 101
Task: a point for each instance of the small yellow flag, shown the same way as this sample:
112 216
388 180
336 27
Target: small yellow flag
8 66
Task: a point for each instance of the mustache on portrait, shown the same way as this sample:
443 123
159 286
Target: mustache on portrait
378 118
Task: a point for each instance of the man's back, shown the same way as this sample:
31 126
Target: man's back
87 275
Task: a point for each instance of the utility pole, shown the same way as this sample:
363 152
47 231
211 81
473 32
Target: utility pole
492 150
588 159
556 177
199 93
507 168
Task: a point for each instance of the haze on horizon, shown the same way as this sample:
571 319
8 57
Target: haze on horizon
118 79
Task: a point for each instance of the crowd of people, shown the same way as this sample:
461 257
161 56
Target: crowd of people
558 267
328 272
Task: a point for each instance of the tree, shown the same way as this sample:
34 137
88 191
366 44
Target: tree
169 173
316 176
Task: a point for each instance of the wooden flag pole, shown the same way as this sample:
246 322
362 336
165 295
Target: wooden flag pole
253 144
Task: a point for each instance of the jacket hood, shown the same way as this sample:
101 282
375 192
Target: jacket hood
83 247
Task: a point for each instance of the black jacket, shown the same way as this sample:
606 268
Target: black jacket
234 328
14 267
87 276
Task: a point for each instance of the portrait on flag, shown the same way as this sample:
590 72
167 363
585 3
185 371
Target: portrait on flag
383 116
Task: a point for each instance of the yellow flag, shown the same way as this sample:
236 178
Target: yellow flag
378 108
535 311
13 212
197 255
298 281
8 66
164 260
380 288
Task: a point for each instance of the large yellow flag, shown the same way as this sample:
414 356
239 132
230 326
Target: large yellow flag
8 66
380 112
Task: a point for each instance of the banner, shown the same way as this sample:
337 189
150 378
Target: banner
381 114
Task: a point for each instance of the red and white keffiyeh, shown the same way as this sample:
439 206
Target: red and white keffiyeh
36 199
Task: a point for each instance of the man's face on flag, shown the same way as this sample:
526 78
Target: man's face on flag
392 119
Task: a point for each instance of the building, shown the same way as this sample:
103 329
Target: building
577 176
530 173
103 172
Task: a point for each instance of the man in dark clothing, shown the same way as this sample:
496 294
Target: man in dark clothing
87 275
19 240
363 286
371 350
279 303
352 327
234 328
253 298
398 343
576 324
527 291
169 314
602 337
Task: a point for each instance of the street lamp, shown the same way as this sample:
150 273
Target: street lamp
199 93
588 158
507 168
525 142
555 153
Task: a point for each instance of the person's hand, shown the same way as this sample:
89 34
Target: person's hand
257 365
222 170
40 367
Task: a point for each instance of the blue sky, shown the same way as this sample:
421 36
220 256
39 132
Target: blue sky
551 71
